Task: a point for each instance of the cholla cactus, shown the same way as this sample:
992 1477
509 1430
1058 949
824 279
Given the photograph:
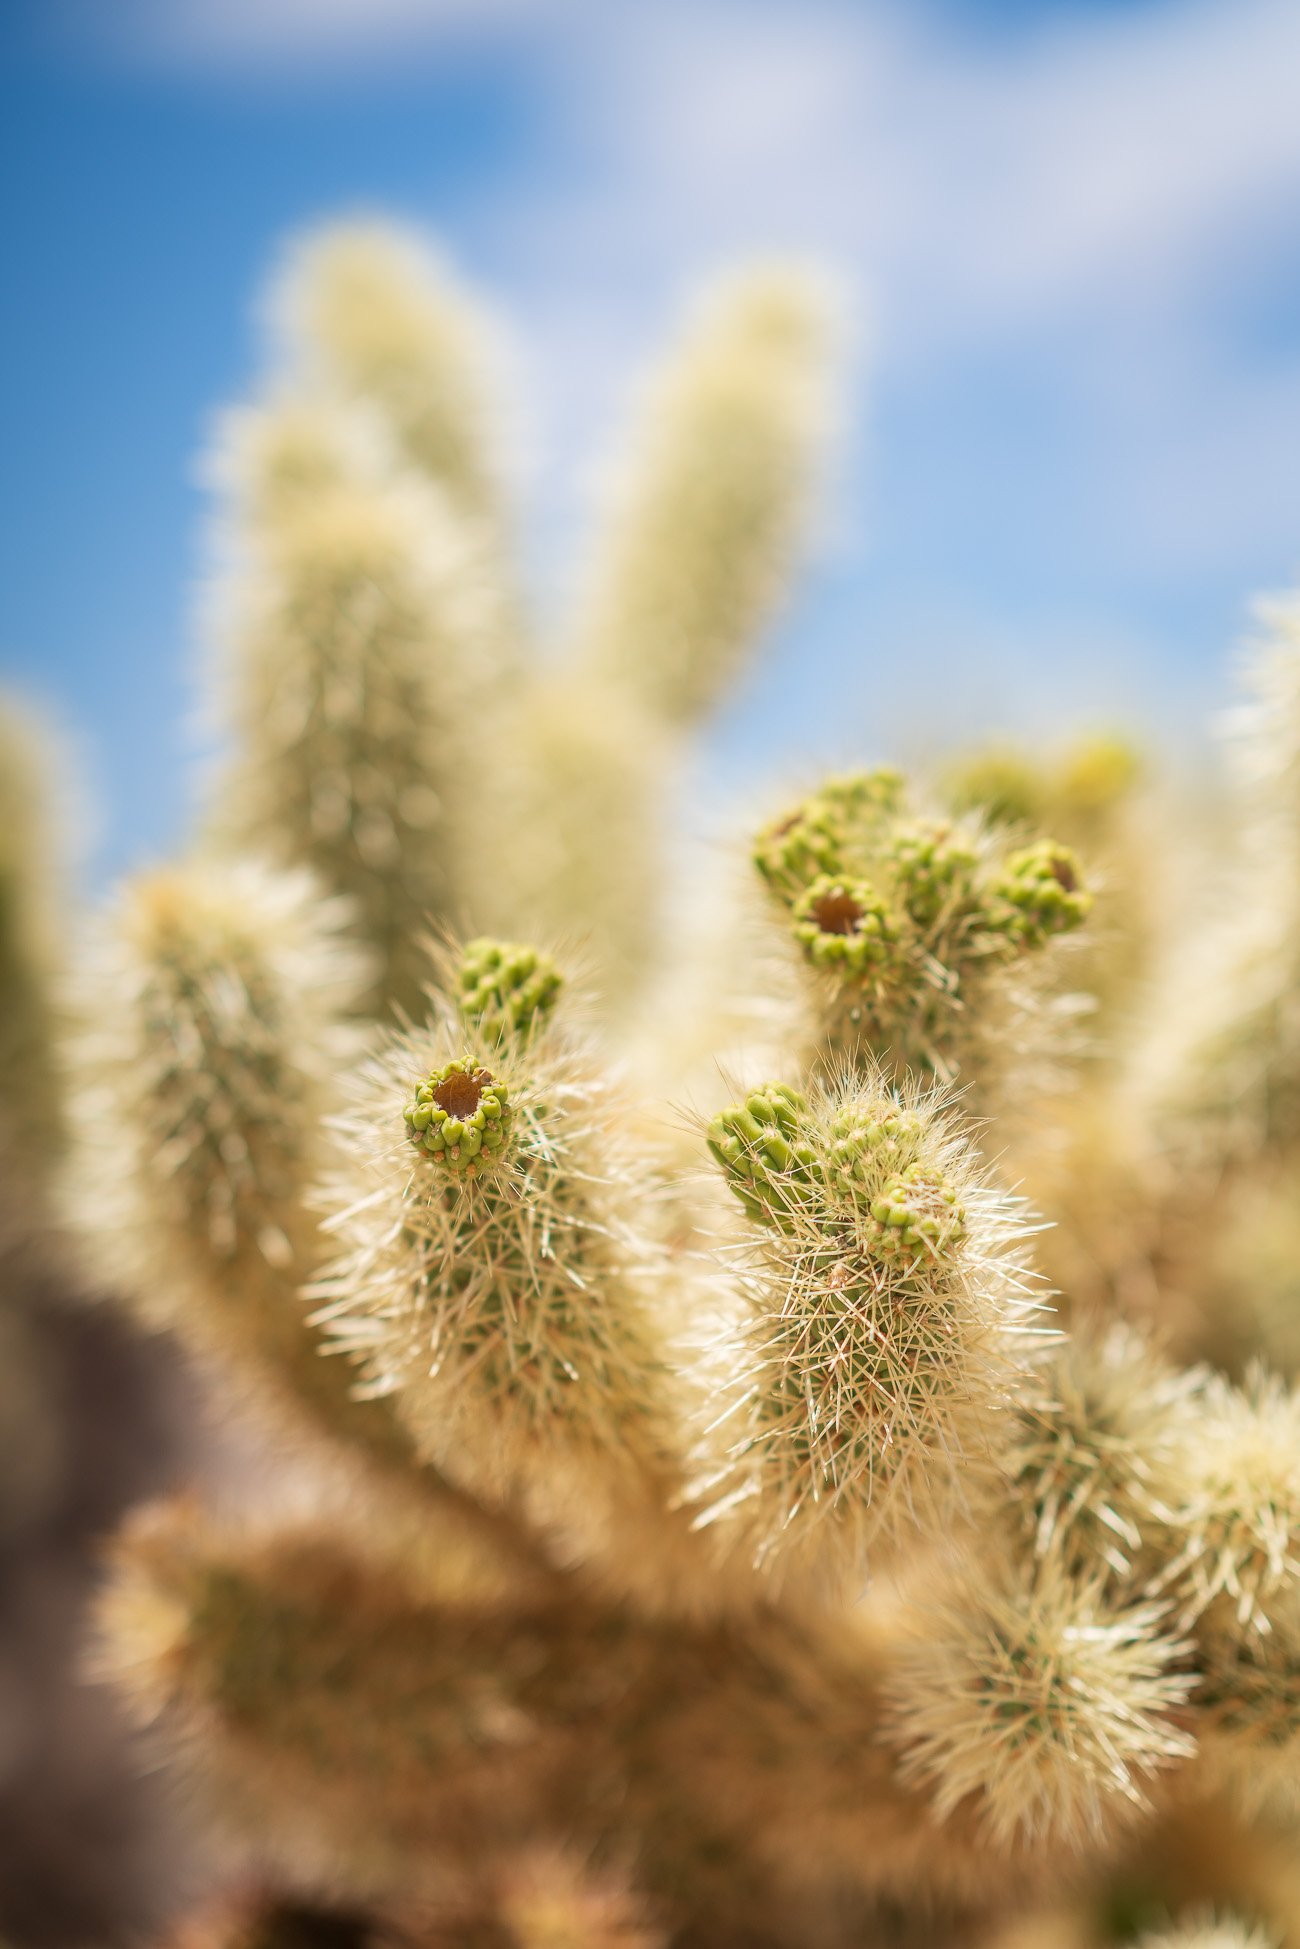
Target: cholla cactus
211 1007
1222 1068
738 1554
31 891
888 1314
1100 1443
1076 1700
1240 1475
371 313
496 1274
357 684
710 515
924 933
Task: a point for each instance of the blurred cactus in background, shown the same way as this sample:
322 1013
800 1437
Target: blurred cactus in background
870 1513
91 1420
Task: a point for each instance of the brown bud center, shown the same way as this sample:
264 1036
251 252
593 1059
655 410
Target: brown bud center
836 913
1064 874
459 1095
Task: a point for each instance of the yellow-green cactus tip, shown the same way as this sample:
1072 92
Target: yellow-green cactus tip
860 795
1040 892
935 868
810 840
917 1215
506 988
1099 773
844 925
862 1141
460 1117
798 847
1001 783
758 1145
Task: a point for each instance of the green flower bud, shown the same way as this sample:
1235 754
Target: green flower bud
866 1142
1098 774
795 849
999 782
816 837
762 1154
460 1117
1039 893
935 868
505 988
916 1215
844 925
861 797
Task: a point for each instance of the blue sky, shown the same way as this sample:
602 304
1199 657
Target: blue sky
1069 236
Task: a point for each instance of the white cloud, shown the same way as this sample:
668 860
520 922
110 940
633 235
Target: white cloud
1121 146
1088 195
1084 194
970 181
283 38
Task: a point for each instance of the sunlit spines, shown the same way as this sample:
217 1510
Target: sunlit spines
211 1002
460 1117
377 313
276 456
384 1740
591 788
1211 1931
888 1318
1041 1707
356 649
1218 1068
499 1282
1265 727
927 935
1238 1468
1092 1454
710 515
506 989
1248 1711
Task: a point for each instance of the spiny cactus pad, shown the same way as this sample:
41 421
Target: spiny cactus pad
460 1117
506 988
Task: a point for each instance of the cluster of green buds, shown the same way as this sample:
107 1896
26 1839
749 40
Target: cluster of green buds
917 1215
935 871
798 847
1001 783
815 838
460 1117
844 925
1040 893
1081 787
505 988
861 797
865 1142
763 1156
